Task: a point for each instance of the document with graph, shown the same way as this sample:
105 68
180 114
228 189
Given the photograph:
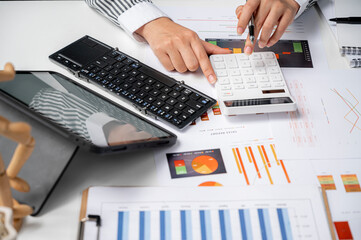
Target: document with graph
147 213
327 124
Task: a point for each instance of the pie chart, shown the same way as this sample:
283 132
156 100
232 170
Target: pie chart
204 164
210 184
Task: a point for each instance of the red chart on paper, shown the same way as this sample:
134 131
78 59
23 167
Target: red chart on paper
343 230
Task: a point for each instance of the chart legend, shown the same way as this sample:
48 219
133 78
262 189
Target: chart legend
351 183
290 53
327 182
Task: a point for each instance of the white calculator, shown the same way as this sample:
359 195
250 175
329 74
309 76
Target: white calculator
251 84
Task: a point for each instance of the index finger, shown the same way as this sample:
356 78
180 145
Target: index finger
204 62
248 9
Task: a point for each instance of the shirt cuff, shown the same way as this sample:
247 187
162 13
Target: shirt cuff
303 4
137 16
94 125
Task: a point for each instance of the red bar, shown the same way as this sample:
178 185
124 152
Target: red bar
244 170
277 56
343 230
284 169
254 161
286 53
265 155
179 163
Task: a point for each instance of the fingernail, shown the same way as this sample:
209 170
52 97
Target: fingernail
261 45
211 79
248 50
239 30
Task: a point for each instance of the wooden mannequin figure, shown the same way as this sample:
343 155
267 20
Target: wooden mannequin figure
20 133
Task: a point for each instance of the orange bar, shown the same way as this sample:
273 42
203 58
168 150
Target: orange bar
277 56
265 165
204 117
249 156
286 53
284 169
237 50
240 160
274 153
235 157
254 161
265 155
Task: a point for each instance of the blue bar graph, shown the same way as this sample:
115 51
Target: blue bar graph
225 224
245 221
206 227
123 225
144 225
165 225
264 222
186 224
285 223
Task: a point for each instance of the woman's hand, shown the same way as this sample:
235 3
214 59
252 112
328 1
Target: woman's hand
268 14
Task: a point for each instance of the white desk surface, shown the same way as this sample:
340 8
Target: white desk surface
30 32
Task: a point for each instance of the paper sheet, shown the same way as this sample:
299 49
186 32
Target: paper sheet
202 213
326 125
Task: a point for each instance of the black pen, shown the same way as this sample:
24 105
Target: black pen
251 29
347 20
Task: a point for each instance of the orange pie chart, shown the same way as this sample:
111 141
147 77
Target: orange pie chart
204 164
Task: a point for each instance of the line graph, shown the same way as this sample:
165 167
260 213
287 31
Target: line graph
353 114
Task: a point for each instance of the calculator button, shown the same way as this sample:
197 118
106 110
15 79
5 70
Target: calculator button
223 81
249 79
262 78
242 57
235 72
238 86
219 65
255 56
278 84
273 70
260 71
258 64
245 64
276 78
217 58
268 55
247 71
271 62
227 87
221 73
231 62
252 85
236 80
265 85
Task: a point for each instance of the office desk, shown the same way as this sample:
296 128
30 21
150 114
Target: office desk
31 31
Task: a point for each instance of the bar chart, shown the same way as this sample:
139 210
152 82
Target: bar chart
213 220
258 163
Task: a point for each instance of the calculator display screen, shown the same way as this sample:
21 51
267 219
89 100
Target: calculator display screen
257 101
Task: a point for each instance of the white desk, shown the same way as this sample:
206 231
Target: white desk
31 31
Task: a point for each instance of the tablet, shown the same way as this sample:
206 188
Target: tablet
80 114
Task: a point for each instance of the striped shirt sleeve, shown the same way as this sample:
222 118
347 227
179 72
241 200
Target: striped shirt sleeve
304 5
129 15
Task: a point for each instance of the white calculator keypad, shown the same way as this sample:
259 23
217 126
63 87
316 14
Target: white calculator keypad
248 77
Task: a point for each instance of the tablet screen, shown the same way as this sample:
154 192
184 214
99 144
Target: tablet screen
79 111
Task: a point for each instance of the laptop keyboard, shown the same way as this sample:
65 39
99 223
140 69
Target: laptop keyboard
150 91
